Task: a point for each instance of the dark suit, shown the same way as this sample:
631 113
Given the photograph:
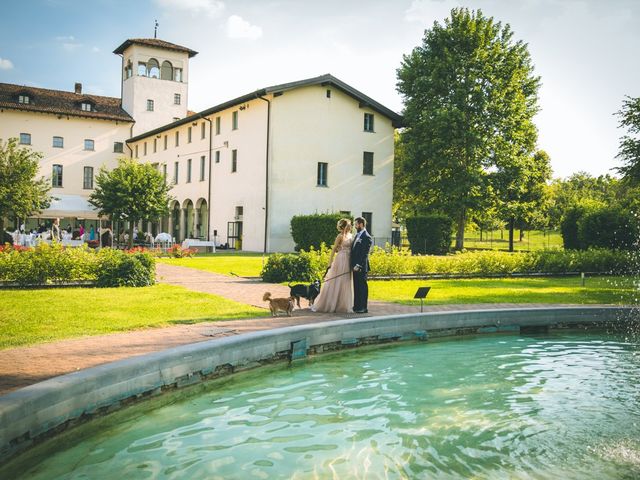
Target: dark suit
360 256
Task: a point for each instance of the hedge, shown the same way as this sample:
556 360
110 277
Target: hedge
429 233
54 264
311 231
609 227
311 265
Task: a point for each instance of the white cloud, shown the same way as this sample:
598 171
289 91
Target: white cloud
68 42
5 64
429 11
65 38
212 8
237 27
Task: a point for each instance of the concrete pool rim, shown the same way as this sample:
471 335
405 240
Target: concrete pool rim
40 411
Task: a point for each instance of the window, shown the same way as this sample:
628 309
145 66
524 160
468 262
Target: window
164 172
202 130
176 99
142 69
128 70
234 120
234 161
368 216
189 171
153 68
149 105
166 73
367 163
155 145
202 166
177 139
136 155
166 140
24 99
323 169
189 135
177 74
87 182
89 144
368 122
118 147
175 172
86 107
144 149
217 125
56 176
218 156
58 142
25 139
328 93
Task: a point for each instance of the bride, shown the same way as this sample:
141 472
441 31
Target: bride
336 294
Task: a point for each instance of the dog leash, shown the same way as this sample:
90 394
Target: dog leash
333 278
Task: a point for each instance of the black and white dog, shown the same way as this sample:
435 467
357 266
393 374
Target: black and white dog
310 292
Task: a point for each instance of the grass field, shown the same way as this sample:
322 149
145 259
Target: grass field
496 240
609 290
33 316
243 264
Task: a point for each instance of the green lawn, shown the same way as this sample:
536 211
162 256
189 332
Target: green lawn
33 316
613 290
243 264
496 240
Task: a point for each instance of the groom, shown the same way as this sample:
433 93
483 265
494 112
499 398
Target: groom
360 264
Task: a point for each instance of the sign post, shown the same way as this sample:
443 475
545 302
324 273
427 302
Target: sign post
422 294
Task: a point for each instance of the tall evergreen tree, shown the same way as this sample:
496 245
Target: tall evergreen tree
469 95
21 193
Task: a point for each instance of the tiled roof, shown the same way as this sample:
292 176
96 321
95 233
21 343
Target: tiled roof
154 42
62 103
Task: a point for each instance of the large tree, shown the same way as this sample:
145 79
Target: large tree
21 193
131 192
519 188
629 150
469 95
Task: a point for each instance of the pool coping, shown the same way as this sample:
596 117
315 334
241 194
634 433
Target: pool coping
39 411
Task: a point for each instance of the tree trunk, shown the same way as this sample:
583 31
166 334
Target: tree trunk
460 232
512 226
480 234
521 234
131 224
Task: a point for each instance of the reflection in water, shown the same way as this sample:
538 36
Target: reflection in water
557 406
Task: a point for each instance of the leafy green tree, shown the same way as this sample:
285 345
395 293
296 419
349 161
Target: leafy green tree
469 96
131 192
21 194
519 188
629 150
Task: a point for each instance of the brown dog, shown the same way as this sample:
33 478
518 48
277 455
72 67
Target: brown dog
279 304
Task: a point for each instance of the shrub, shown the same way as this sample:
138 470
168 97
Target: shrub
570 221
119 269
177 251
313 230
430 233
609 227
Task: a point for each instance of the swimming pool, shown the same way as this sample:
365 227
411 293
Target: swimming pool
558 405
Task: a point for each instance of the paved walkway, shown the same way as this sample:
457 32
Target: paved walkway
24 366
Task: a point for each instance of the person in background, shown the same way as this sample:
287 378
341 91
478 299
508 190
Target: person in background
55 230
81 230
92 233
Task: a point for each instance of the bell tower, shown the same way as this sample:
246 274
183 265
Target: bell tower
155 76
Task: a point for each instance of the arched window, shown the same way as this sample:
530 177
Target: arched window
128 70
153 69
167 71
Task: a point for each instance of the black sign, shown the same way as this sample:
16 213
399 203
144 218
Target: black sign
422 292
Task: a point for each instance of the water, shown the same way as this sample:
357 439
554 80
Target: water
499 407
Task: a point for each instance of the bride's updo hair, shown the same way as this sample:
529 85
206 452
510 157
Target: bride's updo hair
343 223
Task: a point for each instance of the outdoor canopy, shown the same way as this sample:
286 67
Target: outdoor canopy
70 206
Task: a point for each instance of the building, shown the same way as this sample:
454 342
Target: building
240 170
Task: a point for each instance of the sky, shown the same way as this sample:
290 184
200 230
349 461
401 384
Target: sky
585 51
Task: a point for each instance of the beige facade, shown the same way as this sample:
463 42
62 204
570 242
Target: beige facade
82 147
307 127
240 170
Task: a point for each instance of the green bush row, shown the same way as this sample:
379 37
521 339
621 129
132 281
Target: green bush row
53 264
311 265
311 231
587 226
